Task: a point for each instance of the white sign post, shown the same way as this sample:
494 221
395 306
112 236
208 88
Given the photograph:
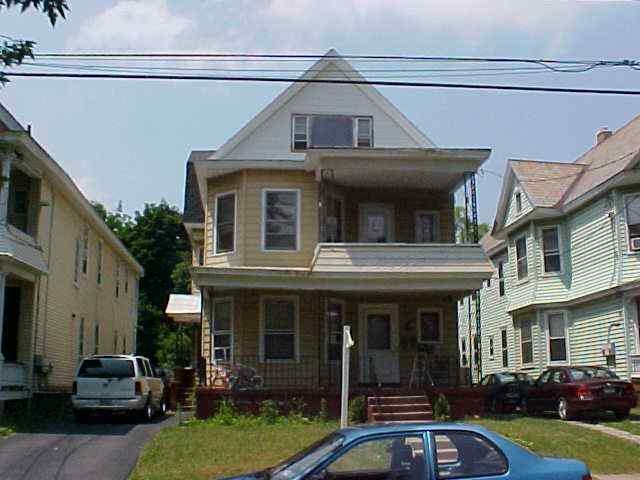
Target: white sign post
347 343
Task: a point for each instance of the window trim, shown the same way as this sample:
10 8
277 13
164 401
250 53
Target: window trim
84 251
504 347
526 252
501 279
215 222
436 220
558 229
517 198
326 327
212 332
307 117
440 313
99 262
263 219
625 204
533 353
296 332
464 355
343 212
309 120
76 266
565 319
356 130
492 347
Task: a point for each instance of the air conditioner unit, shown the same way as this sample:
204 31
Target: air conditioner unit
635 243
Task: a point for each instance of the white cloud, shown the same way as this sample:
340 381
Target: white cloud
132 25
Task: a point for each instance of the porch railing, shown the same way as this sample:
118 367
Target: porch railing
635 365
13 376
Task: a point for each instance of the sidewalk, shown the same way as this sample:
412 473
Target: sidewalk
615 432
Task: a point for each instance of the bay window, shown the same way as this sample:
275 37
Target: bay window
280 219
522 267
279 328
551 249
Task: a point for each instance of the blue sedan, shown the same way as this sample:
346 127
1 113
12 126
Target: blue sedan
419 451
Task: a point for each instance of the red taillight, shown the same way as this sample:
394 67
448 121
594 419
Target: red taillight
74 388
138 388
584 393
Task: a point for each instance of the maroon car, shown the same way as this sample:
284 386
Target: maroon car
571 391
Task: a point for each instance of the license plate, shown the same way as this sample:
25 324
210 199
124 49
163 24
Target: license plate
105 402
609 391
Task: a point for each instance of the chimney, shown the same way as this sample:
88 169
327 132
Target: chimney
602 135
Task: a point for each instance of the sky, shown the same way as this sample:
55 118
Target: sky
128 141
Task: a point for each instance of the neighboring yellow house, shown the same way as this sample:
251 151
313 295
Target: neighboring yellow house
68 287
330 208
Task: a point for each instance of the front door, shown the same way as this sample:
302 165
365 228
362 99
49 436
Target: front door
379 344
11 319
376 223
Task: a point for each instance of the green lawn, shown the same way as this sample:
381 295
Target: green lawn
632 425
209 450
603 453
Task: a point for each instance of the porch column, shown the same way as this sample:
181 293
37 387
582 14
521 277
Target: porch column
7 161
3 284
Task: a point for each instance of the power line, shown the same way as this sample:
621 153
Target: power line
513 88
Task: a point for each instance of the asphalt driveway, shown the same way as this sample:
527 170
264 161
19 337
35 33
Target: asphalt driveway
77 451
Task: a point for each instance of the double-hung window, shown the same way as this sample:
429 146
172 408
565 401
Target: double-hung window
280 219
335 322
331 131
426 226
279 328
85 250
632 211
557 337
504 345
491 347
522 267
225 220
518 202
222 329
501 278
526 342
429 325
551 249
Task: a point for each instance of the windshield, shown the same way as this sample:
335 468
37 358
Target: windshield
307 458
106 368
585 373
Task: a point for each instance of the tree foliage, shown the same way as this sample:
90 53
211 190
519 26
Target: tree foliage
461 226
14 51
157 239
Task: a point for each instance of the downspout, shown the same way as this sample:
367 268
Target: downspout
46 298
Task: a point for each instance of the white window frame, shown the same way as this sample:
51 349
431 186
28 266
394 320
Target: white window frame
560 248
625 204
215 222
356 131
436 224
293 131
492 347
387 209
504 347
327 333
296 324
440 313
517 200
565 319
263 219
214 332
533 353
526 253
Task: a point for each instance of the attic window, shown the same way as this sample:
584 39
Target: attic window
518 202
331 131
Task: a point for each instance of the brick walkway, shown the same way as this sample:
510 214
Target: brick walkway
615 432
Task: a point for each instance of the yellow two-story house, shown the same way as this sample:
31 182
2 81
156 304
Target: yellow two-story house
331 208
68 287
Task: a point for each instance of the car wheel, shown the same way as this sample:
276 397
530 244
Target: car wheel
622 414
563 409
163 407
147 411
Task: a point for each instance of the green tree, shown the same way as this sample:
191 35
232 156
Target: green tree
14 51
461 226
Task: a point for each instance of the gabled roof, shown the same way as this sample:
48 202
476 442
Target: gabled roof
333 58
545 183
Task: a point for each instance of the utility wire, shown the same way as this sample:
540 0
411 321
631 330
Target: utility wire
514 88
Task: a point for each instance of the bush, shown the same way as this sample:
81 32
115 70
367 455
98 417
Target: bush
297 406
323 413
269 411
357 410
226 414
441 409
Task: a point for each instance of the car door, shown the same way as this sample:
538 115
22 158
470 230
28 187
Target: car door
155 384
535 395
464 454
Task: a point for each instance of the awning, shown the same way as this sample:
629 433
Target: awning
184 308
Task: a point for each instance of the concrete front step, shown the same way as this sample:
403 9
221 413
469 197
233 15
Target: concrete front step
394 400
401 407
401 416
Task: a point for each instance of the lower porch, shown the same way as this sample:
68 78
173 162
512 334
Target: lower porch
292 339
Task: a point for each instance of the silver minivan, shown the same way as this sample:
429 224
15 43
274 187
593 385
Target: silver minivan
117 383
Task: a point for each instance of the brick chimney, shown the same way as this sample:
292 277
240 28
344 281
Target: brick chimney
602 135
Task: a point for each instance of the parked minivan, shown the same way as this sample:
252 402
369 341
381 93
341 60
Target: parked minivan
117 383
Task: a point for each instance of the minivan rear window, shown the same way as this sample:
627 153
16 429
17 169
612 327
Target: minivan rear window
106 368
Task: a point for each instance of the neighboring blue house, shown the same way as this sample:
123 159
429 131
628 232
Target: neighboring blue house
566 250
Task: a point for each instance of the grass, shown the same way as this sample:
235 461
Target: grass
631 425
602 453
5 431
208 449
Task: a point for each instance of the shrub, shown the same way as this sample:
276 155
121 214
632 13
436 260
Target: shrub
226 414
357 410
323 413
269 411
297 406
441 409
